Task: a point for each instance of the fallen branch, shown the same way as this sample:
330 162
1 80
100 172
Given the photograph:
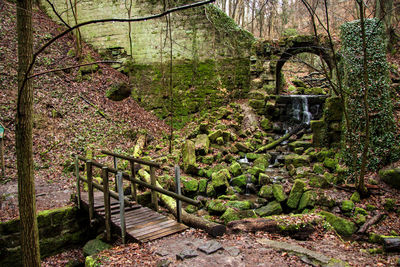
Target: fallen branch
283 138
370 222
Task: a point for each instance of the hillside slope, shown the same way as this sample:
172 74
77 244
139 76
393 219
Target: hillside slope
64 124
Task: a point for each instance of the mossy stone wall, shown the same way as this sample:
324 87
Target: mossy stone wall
58 229
210 53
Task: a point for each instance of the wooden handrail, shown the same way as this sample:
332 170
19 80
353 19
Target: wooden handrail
140 161
139 182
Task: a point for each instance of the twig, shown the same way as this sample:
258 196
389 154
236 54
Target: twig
370 222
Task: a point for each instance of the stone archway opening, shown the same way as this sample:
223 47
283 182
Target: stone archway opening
306 66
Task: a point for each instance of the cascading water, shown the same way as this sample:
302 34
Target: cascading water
300 110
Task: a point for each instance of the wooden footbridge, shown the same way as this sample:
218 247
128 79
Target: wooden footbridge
122 213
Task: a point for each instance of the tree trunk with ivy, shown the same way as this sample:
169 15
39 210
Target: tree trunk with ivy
26 186
370 134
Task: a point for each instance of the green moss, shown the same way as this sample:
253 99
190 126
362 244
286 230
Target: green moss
241 205
216 207
355 197
295 193
342 226
278 192
272 208
390 204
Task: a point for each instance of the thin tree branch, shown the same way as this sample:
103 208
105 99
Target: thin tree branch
57 14
71 67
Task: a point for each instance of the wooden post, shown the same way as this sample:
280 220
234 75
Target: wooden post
107 209
78 184
115 160
154 200
133 185
178 191
121 205
89 174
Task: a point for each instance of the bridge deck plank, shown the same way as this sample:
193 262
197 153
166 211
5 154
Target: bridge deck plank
142 223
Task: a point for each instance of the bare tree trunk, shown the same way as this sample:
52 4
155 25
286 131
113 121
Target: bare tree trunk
253 14
26 185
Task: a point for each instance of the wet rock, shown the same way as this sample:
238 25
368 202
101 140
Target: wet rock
210 247
187 254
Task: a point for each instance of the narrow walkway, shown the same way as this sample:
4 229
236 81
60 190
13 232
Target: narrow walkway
142 223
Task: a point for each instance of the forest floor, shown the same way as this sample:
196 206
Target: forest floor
65 125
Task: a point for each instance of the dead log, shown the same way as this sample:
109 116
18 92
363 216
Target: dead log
295 130
212 228
370 222
391 244
253 225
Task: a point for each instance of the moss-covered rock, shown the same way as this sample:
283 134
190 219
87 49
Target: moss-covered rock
314 91
202 186
94 246
266 124
190 187
264 179
318 168
299 143
189 157
266 192
295 193
235 169
241 205
239 181
255 171
214 135
202 144
342 226
243 147
228 197
210 192
307 200
298 83
390 204
318 181
272 208
297 160
232 214
262 161
191 209
355 197
347 206
391 176
216 207
219 180
278 192
330 163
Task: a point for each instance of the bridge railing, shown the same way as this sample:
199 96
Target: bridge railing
120 176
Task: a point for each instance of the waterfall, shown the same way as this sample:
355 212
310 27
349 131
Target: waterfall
300 110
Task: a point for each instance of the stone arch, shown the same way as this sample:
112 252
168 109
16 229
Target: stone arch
269 56
292 51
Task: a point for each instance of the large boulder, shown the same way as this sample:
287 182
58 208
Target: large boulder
296 193
189 157
190 187
266 192
239 181
307 200
391 177
219 180
202 144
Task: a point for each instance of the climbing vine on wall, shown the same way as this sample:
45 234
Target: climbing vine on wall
382 127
